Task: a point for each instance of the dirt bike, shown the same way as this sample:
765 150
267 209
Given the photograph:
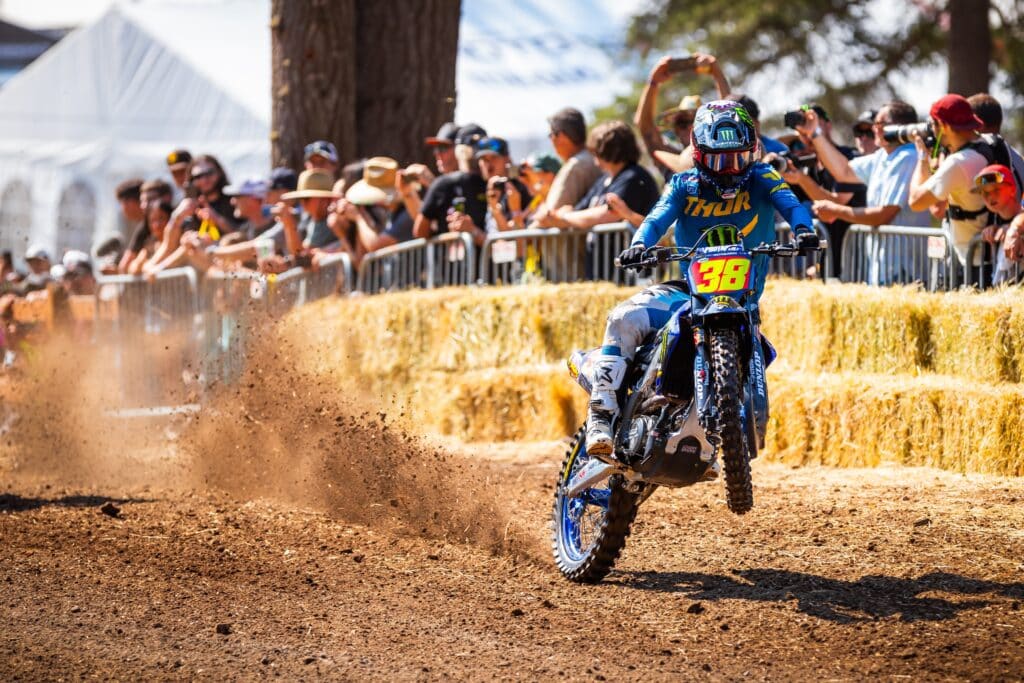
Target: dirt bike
679 412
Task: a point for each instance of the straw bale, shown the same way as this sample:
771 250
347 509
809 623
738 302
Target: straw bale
861 420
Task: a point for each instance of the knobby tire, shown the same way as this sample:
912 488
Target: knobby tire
615 526
725 371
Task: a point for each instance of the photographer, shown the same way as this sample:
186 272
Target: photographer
818 184
886 173
955 126
457 201
680 118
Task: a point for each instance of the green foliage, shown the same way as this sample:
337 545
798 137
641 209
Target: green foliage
844 53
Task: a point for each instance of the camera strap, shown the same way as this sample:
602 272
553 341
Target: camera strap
959 213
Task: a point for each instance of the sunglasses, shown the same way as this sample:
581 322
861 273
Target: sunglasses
992 178
202 174
862 132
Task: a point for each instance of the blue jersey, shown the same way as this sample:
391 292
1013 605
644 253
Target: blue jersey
694 207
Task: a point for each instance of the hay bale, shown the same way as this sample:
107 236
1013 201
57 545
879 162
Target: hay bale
858 420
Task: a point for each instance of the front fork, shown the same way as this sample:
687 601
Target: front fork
754 406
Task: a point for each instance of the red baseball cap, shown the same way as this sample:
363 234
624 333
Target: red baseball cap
994 174
955 111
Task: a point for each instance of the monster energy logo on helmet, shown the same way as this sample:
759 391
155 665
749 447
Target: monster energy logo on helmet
744 115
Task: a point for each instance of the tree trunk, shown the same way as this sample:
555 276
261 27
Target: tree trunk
374 78
970 46
406 77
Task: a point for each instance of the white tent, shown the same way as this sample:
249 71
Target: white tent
112 99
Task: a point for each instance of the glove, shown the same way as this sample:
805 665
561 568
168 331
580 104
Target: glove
631 256
806 239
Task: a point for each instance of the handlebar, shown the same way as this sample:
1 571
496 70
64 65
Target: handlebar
654 256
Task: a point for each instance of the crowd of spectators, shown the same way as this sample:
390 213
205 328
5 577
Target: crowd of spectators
958 172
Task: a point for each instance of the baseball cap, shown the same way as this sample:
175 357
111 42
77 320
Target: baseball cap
544 162
283 178
485 146
37 251
74 257
179 159
445 135
321 148
993 174
469 134
955 111
250 187
865 120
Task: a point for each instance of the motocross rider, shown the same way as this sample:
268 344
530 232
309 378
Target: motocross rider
728 185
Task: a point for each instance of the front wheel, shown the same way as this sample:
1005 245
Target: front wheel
589 530
725 372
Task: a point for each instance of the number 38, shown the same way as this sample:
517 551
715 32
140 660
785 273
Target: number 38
722 275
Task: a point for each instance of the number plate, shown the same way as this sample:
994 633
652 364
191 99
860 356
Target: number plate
720 274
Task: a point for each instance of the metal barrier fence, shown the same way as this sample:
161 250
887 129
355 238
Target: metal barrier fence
448 259
985 266
554 255
148 329
812 267
899 254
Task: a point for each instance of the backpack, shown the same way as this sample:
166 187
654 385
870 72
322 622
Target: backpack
996 151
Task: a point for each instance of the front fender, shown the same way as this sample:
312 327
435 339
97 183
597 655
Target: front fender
719 311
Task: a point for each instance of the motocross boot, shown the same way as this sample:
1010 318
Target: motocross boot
604 405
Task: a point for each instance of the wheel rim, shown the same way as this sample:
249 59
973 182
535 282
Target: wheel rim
580 517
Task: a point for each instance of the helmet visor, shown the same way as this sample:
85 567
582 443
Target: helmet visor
729 162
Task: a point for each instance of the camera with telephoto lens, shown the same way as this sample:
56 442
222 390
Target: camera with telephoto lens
902 134
804 162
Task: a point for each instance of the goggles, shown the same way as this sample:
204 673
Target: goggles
729 162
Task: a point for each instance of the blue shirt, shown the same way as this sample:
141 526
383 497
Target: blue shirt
887 175
770 145
694 207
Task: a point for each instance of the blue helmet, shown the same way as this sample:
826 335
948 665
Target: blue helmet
725 145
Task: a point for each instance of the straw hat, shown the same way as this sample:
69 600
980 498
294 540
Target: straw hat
315 182
378 183
688 103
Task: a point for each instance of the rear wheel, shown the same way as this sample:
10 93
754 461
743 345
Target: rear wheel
589 530
725 371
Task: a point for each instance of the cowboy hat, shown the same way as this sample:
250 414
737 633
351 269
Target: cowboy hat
315 182
377 185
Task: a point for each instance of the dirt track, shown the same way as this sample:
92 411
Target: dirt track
836 575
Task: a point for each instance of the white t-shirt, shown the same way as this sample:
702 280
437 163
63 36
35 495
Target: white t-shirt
953 181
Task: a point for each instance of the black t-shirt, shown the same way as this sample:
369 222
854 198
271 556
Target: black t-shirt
399 225
140 238
445 190
633 184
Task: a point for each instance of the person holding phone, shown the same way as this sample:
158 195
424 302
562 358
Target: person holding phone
678 119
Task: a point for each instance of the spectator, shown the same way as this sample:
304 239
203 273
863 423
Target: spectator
177 163
38 260
129 197
816 183
538 173
456 201
506 196
315 194
443 146
109 252
78 275
614 146
282 180
955 125
578 173
321 155
152 246
886 173
988 109
200 222
998 189
863 133
768 145
680 119
382 187
255 237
